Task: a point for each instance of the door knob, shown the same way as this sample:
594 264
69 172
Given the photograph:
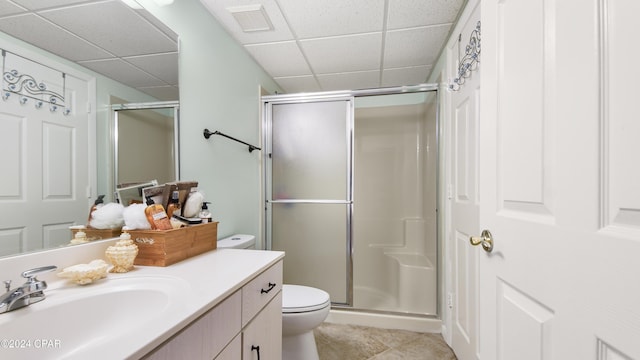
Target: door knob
485 239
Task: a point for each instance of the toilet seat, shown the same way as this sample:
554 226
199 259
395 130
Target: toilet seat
299 299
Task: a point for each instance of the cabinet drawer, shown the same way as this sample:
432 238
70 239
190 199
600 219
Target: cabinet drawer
257 293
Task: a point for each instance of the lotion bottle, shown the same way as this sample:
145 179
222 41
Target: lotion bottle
174 207
156 216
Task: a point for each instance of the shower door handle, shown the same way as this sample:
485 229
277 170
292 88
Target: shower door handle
485 239
309 201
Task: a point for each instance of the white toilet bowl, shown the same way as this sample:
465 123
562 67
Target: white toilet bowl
303 309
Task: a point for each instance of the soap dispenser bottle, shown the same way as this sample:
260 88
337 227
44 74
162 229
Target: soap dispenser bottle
156 216
205 214
174 207
97 204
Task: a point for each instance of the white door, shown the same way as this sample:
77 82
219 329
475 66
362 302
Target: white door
43 189
464 195
559 180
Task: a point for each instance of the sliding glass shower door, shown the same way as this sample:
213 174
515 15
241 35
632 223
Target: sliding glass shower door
309 198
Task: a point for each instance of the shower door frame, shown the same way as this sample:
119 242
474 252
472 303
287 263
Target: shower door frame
347 95
268 102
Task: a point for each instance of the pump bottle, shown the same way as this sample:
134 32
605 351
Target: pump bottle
174 207
205 214
156 216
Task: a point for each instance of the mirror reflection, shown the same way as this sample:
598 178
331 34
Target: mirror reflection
146 142
108 53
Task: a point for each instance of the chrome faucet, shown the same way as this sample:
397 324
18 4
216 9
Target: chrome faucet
30 292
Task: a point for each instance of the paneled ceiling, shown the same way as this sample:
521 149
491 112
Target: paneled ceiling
305 45
108 37
322 45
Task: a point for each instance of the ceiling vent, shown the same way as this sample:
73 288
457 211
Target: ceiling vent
251 18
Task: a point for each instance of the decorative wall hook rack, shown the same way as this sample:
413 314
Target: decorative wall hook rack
207 134
470 60
27 87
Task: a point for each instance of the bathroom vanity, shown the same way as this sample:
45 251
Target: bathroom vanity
223 304
245 325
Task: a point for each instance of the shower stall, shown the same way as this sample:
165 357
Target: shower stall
351 195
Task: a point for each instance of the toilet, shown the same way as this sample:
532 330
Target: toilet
303 309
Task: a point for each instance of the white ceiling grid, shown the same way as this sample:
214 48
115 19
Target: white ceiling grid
314 45
108 37
322 45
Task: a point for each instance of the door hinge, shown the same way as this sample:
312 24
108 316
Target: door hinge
449 191
88 107
450 300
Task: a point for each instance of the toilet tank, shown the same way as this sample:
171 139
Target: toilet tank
238 241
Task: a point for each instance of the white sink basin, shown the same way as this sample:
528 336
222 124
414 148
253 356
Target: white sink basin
72 319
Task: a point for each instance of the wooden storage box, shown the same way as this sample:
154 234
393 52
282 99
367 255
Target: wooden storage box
166 247
98 234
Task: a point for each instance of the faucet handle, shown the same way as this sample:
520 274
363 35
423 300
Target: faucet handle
32 273
7 285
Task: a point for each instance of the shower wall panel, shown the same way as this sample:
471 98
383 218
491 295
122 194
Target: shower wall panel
395 162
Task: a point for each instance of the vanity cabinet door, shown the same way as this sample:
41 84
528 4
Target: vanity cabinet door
206 337
233 351
263 335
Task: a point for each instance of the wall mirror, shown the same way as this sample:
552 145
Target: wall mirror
129 46
146 142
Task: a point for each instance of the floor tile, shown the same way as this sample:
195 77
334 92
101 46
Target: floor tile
340 342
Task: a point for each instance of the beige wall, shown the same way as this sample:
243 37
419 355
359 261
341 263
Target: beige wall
145 146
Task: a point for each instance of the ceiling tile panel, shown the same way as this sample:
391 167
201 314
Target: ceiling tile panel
350 81
414 13
321 18
40 4
344 53
110 26
413 47
7 8
297 84
280 31
163 93
280 59
405 76
41 33
123 72
159 24
161 66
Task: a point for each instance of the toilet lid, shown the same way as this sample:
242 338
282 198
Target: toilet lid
298 298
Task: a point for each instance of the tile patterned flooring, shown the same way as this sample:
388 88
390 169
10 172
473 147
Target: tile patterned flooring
351 342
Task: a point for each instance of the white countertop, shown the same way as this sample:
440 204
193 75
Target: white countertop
205 280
